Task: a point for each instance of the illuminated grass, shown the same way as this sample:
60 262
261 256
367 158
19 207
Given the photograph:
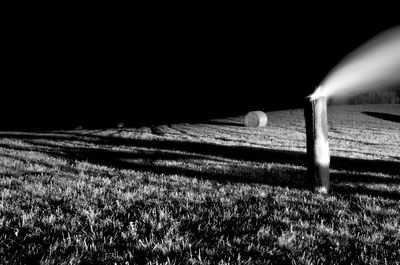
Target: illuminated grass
202 194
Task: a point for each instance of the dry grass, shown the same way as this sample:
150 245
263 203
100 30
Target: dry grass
205 193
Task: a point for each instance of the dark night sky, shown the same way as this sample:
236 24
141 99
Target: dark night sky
100 64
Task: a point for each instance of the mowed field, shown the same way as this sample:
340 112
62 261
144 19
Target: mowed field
212 192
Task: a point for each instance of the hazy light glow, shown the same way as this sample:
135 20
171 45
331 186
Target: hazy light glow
374 65
319 92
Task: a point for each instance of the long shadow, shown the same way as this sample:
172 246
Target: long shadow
348 190
231 152
126 158
383 116
245 153
166 150
223 123
148 162
293 178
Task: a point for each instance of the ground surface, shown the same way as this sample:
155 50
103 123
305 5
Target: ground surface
211 192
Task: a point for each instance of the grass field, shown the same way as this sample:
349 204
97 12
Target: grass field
206 193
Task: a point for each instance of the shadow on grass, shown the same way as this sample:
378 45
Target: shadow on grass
383 116
223 123
162 156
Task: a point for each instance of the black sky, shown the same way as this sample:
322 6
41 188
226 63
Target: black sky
97 63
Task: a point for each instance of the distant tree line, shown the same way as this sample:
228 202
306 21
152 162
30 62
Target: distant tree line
391 96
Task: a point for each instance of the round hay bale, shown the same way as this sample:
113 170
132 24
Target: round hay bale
256 119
